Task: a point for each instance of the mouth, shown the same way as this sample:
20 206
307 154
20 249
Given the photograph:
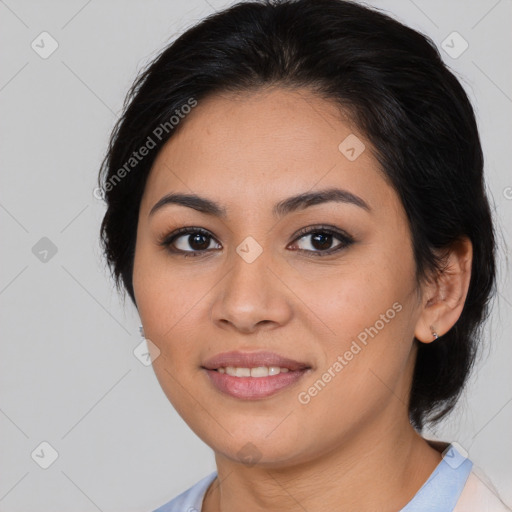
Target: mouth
253 375
253 360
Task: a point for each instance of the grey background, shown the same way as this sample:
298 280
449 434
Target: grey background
68 375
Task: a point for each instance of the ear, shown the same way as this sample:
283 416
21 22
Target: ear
444 295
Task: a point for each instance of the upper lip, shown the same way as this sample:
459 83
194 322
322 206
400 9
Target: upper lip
252 360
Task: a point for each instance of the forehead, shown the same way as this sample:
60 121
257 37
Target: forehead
249 147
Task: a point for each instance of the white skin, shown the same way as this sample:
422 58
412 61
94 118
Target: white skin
352 446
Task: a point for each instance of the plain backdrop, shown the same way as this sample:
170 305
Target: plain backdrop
68 375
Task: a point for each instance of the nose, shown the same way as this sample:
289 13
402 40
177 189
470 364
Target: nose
251 297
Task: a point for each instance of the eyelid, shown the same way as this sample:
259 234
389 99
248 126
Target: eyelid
322 227
166 240
345 238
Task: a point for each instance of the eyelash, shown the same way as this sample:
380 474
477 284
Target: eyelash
345 239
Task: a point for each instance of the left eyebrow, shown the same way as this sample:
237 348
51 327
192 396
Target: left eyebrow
280 209
307 199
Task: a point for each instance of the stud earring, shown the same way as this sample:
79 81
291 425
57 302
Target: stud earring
434 333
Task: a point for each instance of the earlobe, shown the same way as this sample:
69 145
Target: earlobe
446 293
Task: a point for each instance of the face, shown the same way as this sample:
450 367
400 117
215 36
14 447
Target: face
329 284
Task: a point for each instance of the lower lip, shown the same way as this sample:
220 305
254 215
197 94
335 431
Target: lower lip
253 387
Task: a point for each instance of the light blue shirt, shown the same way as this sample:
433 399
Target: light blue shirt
438 494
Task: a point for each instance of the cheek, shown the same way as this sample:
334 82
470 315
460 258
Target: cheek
357 309
356 296
364 363
367 323
165 292
170 297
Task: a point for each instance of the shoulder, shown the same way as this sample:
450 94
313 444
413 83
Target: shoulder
479 495
191 499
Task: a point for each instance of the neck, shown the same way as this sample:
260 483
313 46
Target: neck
381 469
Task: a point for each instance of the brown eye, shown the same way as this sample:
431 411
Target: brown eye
191 241
319 241
197 241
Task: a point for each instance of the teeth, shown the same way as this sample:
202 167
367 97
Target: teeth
260 371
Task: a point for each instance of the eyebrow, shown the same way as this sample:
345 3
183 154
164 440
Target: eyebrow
280 209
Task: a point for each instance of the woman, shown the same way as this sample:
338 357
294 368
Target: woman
296 206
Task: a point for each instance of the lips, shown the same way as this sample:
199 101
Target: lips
252 360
